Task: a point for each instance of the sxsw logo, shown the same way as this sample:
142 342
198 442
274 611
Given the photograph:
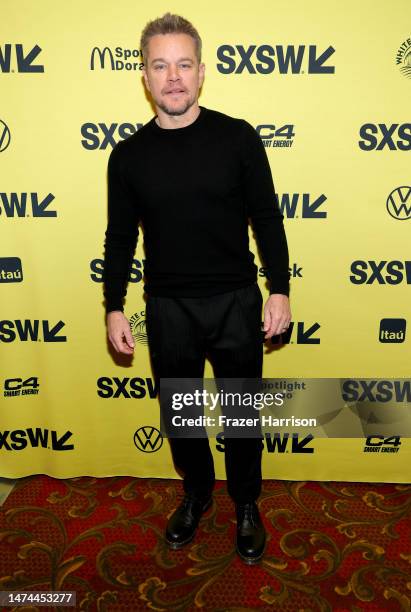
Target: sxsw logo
278 443
298 333
381 272
101 135
296 205
5 136
104 57
397 203
34 331
265 59
24 59
135 273
19 439
376 391
135 388
392 330
18 204
11 270
379 136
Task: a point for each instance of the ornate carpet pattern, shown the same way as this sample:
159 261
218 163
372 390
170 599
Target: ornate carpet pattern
331 547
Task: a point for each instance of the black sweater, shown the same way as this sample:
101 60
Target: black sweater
193 190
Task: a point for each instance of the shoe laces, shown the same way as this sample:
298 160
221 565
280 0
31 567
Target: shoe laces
248 512
189 500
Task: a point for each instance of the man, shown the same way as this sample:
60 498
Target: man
193 177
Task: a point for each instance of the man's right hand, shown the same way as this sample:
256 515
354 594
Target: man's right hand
119 332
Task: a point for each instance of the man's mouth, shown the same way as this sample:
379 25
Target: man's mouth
175 91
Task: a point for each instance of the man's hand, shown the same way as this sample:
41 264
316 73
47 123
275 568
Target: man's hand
119 332
277 315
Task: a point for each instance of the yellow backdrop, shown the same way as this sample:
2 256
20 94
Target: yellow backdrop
327 87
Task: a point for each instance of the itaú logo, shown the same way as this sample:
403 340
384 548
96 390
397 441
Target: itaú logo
119 60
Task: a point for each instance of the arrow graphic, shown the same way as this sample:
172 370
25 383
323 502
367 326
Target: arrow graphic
315 64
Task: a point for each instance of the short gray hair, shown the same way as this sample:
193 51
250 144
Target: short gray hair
170 24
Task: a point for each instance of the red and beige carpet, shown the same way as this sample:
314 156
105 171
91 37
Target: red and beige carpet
331 547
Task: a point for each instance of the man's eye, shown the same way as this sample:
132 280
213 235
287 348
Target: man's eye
158 66
185 65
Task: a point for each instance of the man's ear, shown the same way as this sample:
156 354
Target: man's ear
201 73
143 70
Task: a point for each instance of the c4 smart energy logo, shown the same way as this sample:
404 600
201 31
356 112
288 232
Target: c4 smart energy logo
148 439
102 135
266 59
5 136
392 330
403 58
381 444
102 58
399 203
276 136
15 387
16 58
395 137
11 270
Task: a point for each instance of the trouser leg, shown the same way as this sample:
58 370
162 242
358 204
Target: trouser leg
235 349
177 351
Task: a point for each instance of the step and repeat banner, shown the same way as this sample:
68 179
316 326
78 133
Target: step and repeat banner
327 88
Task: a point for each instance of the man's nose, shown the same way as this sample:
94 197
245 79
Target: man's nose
173 73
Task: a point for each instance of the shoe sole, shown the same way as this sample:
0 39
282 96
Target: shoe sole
178 545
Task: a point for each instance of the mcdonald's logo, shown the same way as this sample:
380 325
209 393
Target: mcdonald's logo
119 59
102 54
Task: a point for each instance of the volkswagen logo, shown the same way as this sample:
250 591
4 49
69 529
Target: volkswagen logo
148 439
399 203
5 136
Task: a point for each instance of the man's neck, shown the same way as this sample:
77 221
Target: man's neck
171 122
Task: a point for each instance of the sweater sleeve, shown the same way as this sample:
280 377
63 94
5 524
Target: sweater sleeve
121 234
263 210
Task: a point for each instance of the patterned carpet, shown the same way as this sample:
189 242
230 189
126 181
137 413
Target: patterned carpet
332 547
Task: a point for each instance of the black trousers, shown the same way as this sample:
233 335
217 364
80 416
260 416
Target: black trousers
226 328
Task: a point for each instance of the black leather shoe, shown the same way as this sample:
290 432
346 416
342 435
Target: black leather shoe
182 524
250 540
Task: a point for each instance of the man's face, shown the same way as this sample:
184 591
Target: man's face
172 73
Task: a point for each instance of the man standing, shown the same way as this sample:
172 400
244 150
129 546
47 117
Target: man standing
193 176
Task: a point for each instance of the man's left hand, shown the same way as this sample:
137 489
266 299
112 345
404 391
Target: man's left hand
277 315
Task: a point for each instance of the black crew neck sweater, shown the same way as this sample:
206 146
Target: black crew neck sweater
193 190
